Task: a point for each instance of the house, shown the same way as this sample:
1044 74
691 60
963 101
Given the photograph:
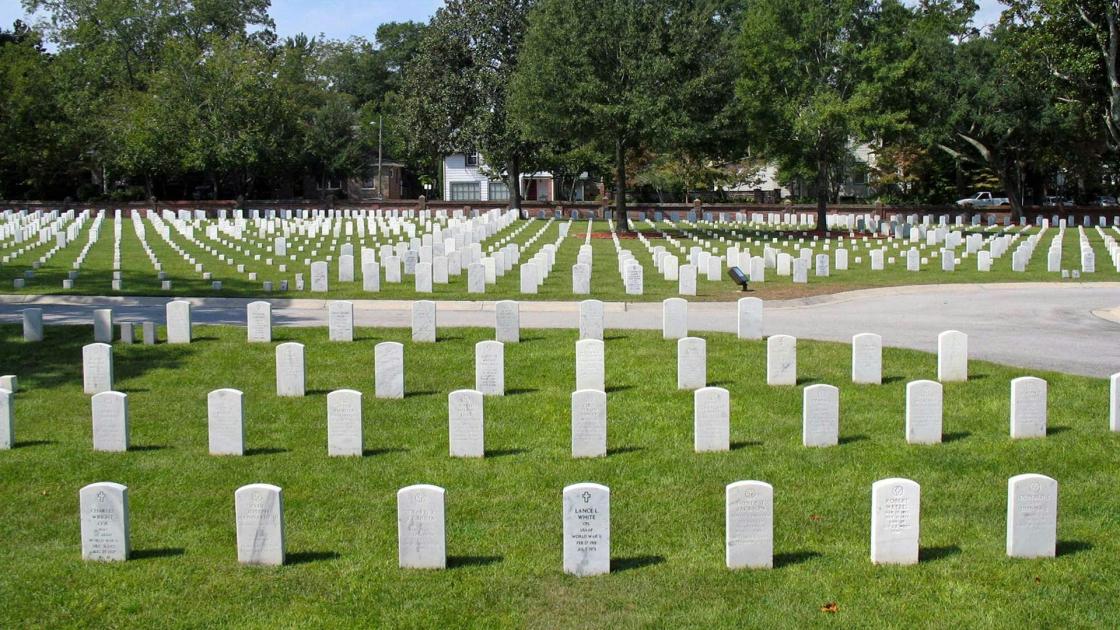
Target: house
363 187
466 177
760 183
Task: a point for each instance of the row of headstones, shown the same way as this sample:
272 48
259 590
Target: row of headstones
711 411
781 353
226 423
62 239
1032 524
178 314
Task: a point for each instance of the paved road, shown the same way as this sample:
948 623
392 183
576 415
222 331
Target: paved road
1039 325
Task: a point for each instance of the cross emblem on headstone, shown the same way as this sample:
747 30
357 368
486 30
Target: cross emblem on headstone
586 496
101 497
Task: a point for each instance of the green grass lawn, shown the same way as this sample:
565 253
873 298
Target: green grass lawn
139 277
504 512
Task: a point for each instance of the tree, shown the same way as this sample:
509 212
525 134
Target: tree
456 87
627 77
1077 42
999 117
810 81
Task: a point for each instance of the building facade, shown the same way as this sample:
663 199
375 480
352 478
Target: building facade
466 178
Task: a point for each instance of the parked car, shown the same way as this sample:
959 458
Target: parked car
1104 201
983 200
1054 200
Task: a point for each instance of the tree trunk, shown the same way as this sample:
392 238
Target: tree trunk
514 174
822 195
620 185
1008 177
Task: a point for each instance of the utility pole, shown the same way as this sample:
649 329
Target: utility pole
380 190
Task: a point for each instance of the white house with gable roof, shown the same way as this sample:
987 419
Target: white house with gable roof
467 178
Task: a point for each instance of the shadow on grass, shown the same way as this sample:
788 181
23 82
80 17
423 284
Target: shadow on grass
720 384
634 562
33 443
305 557
374 452
618 388
794 557
505 452
419 394
848 439
132 390
521 390
530 339
807 380
455 562
930 554
149 554
615 338
955 437
149 448
744 444
1070 547
887 380
57 361
265 451
1056 430
622 450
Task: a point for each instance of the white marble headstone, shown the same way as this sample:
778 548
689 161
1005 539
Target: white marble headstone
587 529
750 318
895 521
104 522
749 525
110 421
924 407
590 364
259 509
388 370
489 368
781 360
591 319
1028 407
258 318
952 356
97 368
421 527
589 423
1032 516
179 321
711 420
290 372
225 413
507 321
340 320
692 363
674 318
820 415
424 321
867 359
344 423
466 423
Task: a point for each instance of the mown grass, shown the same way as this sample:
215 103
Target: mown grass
504 525
139 278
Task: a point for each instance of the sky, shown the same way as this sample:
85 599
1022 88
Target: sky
341 19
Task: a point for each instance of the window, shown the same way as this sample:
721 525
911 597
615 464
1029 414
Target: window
472 158
330 183
466 191
499 191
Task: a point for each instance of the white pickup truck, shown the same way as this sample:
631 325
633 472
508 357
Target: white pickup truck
983 200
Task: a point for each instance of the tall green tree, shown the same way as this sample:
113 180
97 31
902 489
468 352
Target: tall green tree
628 77
812 81
456 87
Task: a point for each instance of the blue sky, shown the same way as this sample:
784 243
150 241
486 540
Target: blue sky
340 19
